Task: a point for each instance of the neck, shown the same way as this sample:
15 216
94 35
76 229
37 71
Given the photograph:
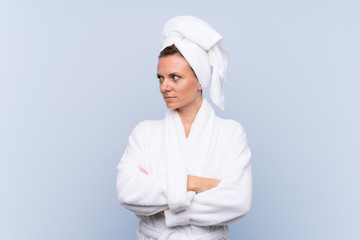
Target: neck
188 114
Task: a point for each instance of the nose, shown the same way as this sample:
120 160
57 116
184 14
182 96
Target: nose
165 86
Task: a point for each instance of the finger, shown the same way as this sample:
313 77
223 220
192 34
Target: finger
143 170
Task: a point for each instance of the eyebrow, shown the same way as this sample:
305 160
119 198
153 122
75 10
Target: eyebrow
170 74
175 73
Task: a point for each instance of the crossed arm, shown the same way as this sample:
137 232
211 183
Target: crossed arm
216 202
195 183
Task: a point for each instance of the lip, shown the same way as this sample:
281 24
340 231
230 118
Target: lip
169 98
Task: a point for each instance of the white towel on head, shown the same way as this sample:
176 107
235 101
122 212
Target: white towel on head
203 49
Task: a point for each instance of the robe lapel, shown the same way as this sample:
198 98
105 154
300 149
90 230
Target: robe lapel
200 138
191 152
174 140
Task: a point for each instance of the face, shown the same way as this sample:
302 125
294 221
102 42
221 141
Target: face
178 84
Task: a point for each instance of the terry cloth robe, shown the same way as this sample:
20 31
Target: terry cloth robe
215 148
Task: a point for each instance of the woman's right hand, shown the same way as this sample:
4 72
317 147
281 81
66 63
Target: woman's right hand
201 184
195 183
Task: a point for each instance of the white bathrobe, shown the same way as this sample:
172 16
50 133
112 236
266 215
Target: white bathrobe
215 148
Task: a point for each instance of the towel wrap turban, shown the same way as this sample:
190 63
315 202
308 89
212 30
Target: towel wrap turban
203 49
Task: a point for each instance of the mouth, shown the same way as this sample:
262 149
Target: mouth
167 98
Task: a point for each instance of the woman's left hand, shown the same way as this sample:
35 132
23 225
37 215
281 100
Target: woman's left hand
143 170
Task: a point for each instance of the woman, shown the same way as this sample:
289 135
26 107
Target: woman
189 175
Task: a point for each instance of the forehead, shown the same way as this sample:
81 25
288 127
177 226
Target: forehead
173 63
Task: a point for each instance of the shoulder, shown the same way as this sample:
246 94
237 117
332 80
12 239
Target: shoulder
148 124
146 128
231 128
234 138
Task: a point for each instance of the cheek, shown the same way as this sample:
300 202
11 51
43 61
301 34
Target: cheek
191 89
195 85
186 87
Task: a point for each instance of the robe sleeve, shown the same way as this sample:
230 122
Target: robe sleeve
227 202
147 194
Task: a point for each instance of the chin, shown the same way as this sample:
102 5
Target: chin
172 106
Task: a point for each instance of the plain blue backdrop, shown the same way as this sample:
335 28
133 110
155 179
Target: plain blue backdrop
77 76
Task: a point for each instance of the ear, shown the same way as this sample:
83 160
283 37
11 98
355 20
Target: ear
200 87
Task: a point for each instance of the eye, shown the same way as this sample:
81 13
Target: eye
176 77
161 78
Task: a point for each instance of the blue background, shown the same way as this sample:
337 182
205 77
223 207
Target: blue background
77 76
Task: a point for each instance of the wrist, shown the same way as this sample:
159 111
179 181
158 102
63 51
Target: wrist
192 183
